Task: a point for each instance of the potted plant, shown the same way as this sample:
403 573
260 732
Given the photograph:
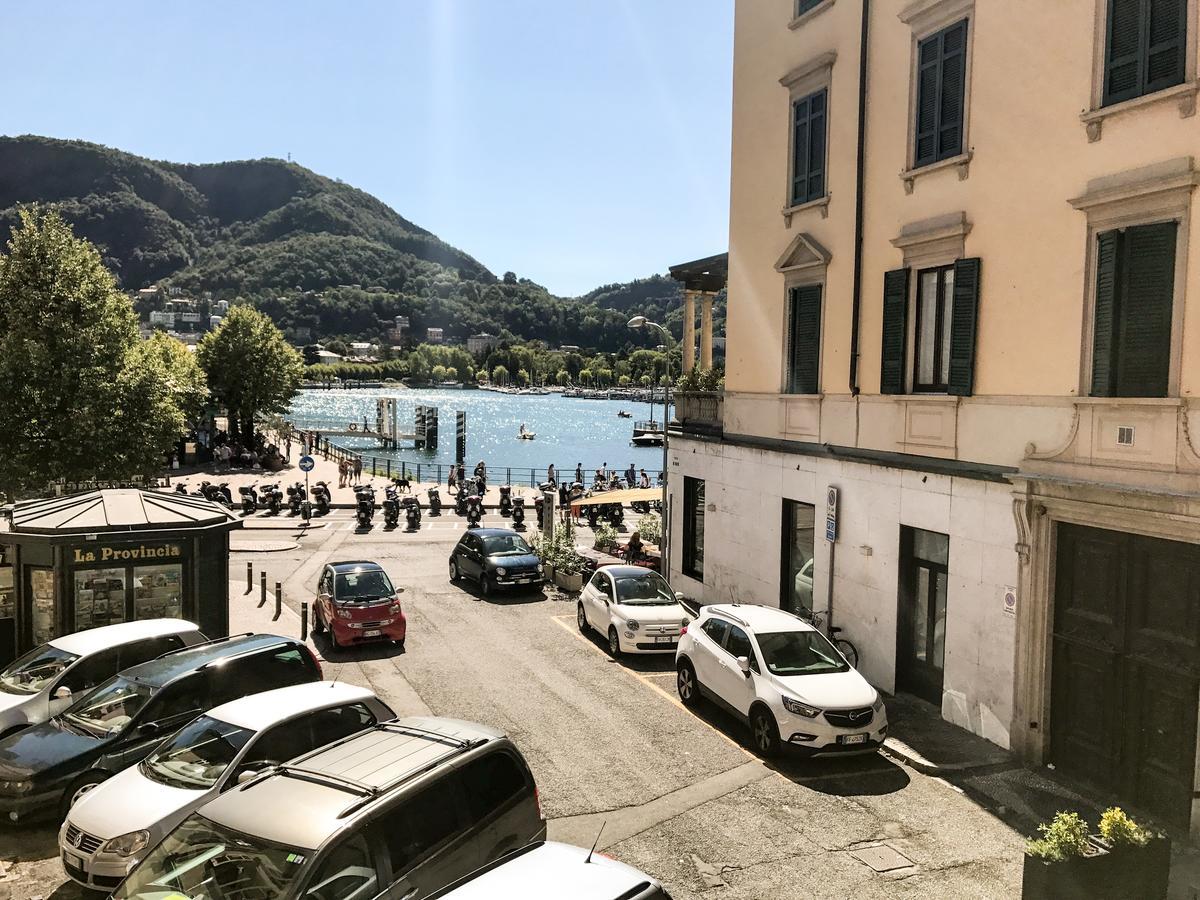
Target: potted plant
649 526
606 538
1065 863
1140 859
568 575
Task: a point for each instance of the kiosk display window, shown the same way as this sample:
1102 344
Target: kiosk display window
99 597
158 592
8 595
41 587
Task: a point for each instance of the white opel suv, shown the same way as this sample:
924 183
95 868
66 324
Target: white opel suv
782 676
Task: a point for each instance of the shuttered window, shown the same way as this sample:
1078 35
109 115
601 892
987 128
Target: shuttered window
941 95
803 6
895 331
1145 48
804 339
964 320
808 147
1135 288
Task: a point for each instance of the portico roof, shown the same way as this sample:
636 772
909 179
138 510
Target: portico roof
708 274
118 510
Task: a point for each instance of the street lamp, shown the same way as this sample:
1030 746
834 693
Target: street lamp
637 323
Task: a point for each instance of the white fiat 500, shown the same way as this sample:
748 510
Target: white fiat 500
782 676
118 822
634 608
49 678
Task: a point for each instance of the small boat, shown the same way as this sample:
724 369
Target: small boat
647 440
527 435
622 414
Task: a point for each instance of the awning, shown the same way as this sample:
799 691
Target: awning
637 495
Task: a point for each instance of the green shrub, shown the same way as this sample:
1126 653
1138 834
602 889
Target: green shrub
1064 838
1121 831
649 527
606 537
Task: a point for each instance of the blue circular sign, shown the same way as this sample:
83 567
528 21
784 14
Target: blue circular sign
307 464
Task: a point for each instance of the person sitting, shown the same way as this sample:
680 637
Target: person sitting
645 482
634 550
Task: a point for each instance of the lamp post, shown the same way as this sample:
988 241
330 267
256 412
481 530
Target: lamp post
639 322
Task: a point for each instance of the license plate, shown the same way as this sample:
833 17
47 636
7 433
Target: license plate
853 738
375 632
73 860
664 640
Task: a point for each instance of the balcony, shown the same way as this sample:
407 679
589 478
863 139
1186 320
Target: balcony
700 412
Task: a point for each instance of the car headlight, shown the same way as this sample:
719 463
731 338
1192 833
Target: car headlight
127 844
541 568
343 613
800 709
501 571
16 787
633 624
878 704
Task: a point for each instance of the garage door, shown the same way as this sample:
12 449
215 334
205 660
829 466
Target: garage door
1125 676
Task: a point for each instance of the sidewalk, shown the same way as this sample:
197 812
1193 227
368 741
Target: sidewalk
920 737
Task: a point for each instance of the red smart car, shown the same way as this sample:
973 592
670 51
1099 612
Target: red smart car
356 603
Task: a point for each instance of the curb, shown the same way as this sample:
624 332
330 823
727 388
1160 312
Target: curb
901 752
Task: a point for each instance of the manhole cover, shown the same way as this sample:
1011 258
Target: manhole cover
882 858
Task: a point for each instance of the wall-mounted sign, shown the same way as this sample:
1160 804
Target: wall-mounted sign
1009 595
831 513
83 556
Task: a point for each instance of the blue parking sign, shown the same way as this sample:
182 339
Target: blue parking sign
307 464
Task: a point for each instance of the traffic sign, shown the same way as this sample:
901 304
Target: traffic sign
307 464
831 514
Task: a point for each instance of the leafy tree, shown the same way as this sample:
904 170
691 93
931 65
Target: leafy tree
311 354
523 376
439 373
624 381
585 376
563 377
644 381
452 373
80 396
251 368
338 347
481 377
500 375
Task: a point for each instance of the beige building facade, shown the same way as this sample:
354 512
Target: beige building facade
959 274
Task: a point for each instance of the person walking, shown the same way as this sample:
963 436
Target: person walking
630 475
357 469
579 473
341 473
288 448
551 475
452 479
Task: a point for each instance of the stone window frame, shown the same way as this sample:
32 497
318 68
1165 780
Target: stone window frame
925 18
1145 196
1184 95
813 271
927 244
800 19
802 81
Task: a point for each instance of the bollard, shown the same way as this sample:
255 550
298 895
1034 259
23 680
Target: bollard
304 621
262 581
278 601
249 577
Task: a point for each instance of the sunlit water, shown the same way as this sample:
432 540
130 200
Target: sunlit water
568 430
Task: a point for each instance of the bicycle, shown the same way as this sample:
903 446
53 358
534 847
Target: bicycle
845 647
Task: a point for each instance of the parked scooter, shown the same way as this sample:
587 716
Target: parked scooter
391 506
615 514
296 496
272 498
412 512
435 501
460 501
364 496
474 510
518 513
505 500
320 495
249 499
217 493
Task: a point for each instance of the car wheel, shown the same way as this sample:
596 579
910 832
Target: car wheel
486 587
454 573
333 640
581 618
318 622
764 732
614 643
78 790
687 684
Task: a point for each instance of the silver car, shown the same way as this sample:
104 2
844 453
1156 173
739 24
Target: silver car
47 679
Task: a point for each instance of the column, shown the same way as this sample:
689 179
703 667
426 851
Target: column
689 331
706 303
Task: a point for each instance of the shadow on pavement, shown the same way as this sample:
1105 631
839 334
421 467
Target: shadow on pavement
357 652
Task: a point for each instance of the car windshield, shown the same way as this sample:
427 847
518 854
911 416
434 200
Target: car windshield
506 545
649 589
201 860
108 709
35 670
800 653
355 587
198 756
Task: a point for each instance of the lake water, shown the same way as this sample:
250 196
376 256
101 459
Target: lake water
569 430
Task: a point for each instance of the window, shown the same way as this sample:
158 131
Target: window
693 527
490 782
348 873
1145 47
935 296
1135 286
151 648
99 597
808 147
420 824
715 629
941 95
738 644
92 670
188 696
158 592
281 743
799 521
329 725
921 631
803 6
804 340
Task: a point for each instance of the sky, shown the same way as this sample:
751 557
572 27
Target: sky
575 143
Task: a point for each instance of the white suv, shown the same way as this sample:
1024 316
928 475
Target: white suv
782 676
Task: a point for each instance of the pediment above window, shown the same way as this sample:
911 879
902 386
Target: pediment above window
804 254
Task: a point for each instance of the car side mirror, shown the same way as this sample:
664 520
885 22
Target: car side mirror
324 597
744 665
62 693
679 595
147 729
252 771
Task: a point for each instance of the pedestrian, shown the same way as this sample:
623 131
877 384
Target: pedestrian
630 475
462 474
645 482
288 447
551 475
579 473
357 469
634 549
452 479
604 472
341 473
576 494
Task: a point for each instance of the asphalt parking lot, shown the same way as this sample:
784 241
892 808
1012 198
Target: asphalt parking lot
677 794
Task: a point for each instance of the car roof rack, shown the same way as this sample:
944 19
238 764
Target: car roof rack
207 643
731 617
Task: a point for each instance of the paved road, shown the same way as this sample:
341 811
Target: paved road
677 793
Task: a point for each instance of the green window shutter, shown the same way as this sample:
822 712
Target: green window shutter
804 354
1145 49
808 148
895 331
1144 313
1123 58
941 95
1165 43
1104 339
964 320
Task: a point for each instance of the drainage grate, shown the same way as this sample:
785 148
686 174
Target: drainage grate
882 858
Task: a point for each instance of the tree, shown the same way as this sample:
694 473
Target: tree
624 381
563 377
451 373
439 374
251 368
500 376
644 381
338 347
523 376
80 395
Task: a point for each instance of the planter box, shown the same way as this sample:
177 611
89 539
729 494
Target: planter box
569 582
1141 872
1082 878
548 571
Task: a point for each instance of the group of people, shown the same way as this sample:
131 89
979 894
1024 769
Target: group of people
349 472
458 477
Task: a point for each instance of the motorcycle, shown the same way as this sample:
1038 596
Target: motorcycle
616 514
321 497
593 515
505 500
518 513
435 501
272 498
391 507
474 510
181 488
460 501
365 502
249 499
412 512
296 496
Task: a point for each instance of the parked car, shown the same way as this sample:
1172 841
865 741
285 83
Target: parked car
47 679
356 603
398 811
119 821
782 676
634 608
550 871
495 558
49 767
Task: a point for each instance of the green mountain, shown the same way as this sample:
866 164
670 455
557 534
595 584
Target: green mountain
322 258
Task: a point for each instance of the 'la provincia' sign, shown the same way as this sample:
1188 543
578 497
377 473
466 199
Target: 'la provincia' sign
122 554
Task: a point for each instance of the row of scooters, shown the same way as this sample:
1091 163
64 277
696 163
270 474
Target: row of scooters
269 497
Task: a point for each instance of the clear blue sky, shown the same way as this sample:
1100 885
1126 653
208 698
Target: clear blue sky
575 142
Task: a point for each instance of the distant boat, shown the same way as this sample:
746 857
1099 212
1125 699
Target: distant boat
649 439
622 414
527 435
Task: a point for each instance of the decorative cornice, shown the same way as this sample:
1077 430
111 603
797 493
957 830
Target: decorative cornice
813 66
922 14
948 227
1173 175
804 252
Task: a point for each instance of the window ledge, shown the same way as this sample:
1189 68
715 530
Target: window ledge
821 203
1128 401
962 162
1182 94
808 14
930 397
